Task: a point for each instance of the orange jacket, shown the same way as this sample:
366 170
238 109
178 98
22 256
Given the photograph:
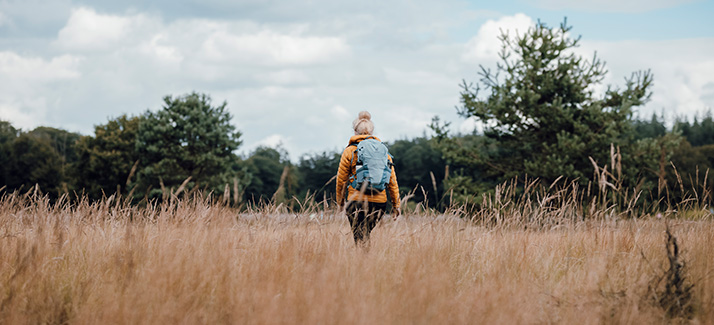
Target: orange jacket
347 168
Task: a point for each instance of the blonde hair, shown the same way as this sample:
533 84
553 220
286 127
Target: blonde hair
363 124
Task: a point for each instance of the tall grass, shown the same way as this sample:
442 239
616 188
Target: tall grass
519 259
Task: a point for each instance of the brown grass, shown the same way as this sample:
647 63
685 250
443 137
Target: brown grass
194 262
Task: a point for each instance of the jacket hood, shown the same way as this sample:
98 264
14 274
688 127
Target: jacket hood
358 138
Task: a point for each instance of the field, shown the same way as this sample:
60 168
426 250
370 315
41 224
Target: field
192 261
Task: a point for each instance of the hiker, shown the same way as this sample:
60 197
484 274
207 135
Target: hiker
367 180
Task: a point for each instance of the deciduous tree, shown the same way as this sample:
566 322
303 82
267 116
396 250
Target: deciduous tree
108 158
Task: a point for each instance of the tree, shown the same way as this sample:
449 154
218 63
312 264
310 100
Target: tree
415 162
187 138
34 161
64 144
695 165
106 160
649 129
542 116
7 135
269 167
315 172
698 134
63 141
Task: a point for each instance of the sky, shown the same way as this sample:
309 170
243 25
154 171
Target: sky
296 73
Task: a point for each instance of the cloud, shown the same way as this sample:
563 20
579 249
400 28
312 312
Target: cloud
486 45
25 82
286 70
87 30
340 113
16 68
285 77
625 6
683 71
271 48
296 73
272 140
25 117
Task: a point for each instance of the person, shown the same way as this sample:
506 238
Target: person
364 209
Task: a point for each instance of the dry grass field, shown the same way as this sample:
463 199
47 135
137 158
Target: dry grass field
191 262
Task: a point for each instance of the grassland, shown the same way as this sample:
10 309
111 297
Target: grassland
191 261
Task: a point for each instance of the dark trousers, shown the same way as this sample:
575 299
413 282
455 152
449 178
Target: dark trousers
363 217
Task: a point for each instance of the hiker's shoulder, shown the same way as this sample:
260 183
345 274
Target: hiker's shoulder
355 139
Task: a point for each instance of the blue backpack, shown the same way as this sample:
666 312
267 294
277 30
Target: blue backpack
373 168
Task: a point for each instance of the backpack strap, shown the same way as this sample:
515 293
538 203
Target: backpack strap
355 143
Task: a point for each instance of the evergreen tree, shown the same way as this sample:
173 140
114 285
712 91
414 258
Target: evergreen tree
33 161
698 134
315 172
649 129
542 116
187 138
415 161
64 144
266 167
8 134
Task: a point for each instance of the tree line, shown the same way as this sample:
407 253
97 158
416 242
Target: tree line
188 145
113 161
541 120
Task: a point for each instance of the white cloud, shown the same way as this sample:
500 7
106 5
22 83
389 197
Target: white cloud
87 30
299 80
486 45
25 83
285 77
25 114
627 6
469 125
340 113
683 71
15 68
272 140
157 47
271 48
396 122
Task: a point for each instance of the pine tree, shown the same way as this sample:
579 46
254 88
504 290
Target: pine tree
541 111
188 137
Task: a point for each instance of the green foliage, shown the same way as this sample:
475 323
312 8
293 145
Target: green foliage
64 144
43 156
649 129
187 138
316 174
695 168
646 163
33 161
8 134
106 160
415 161
541 115
266 167
698 133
